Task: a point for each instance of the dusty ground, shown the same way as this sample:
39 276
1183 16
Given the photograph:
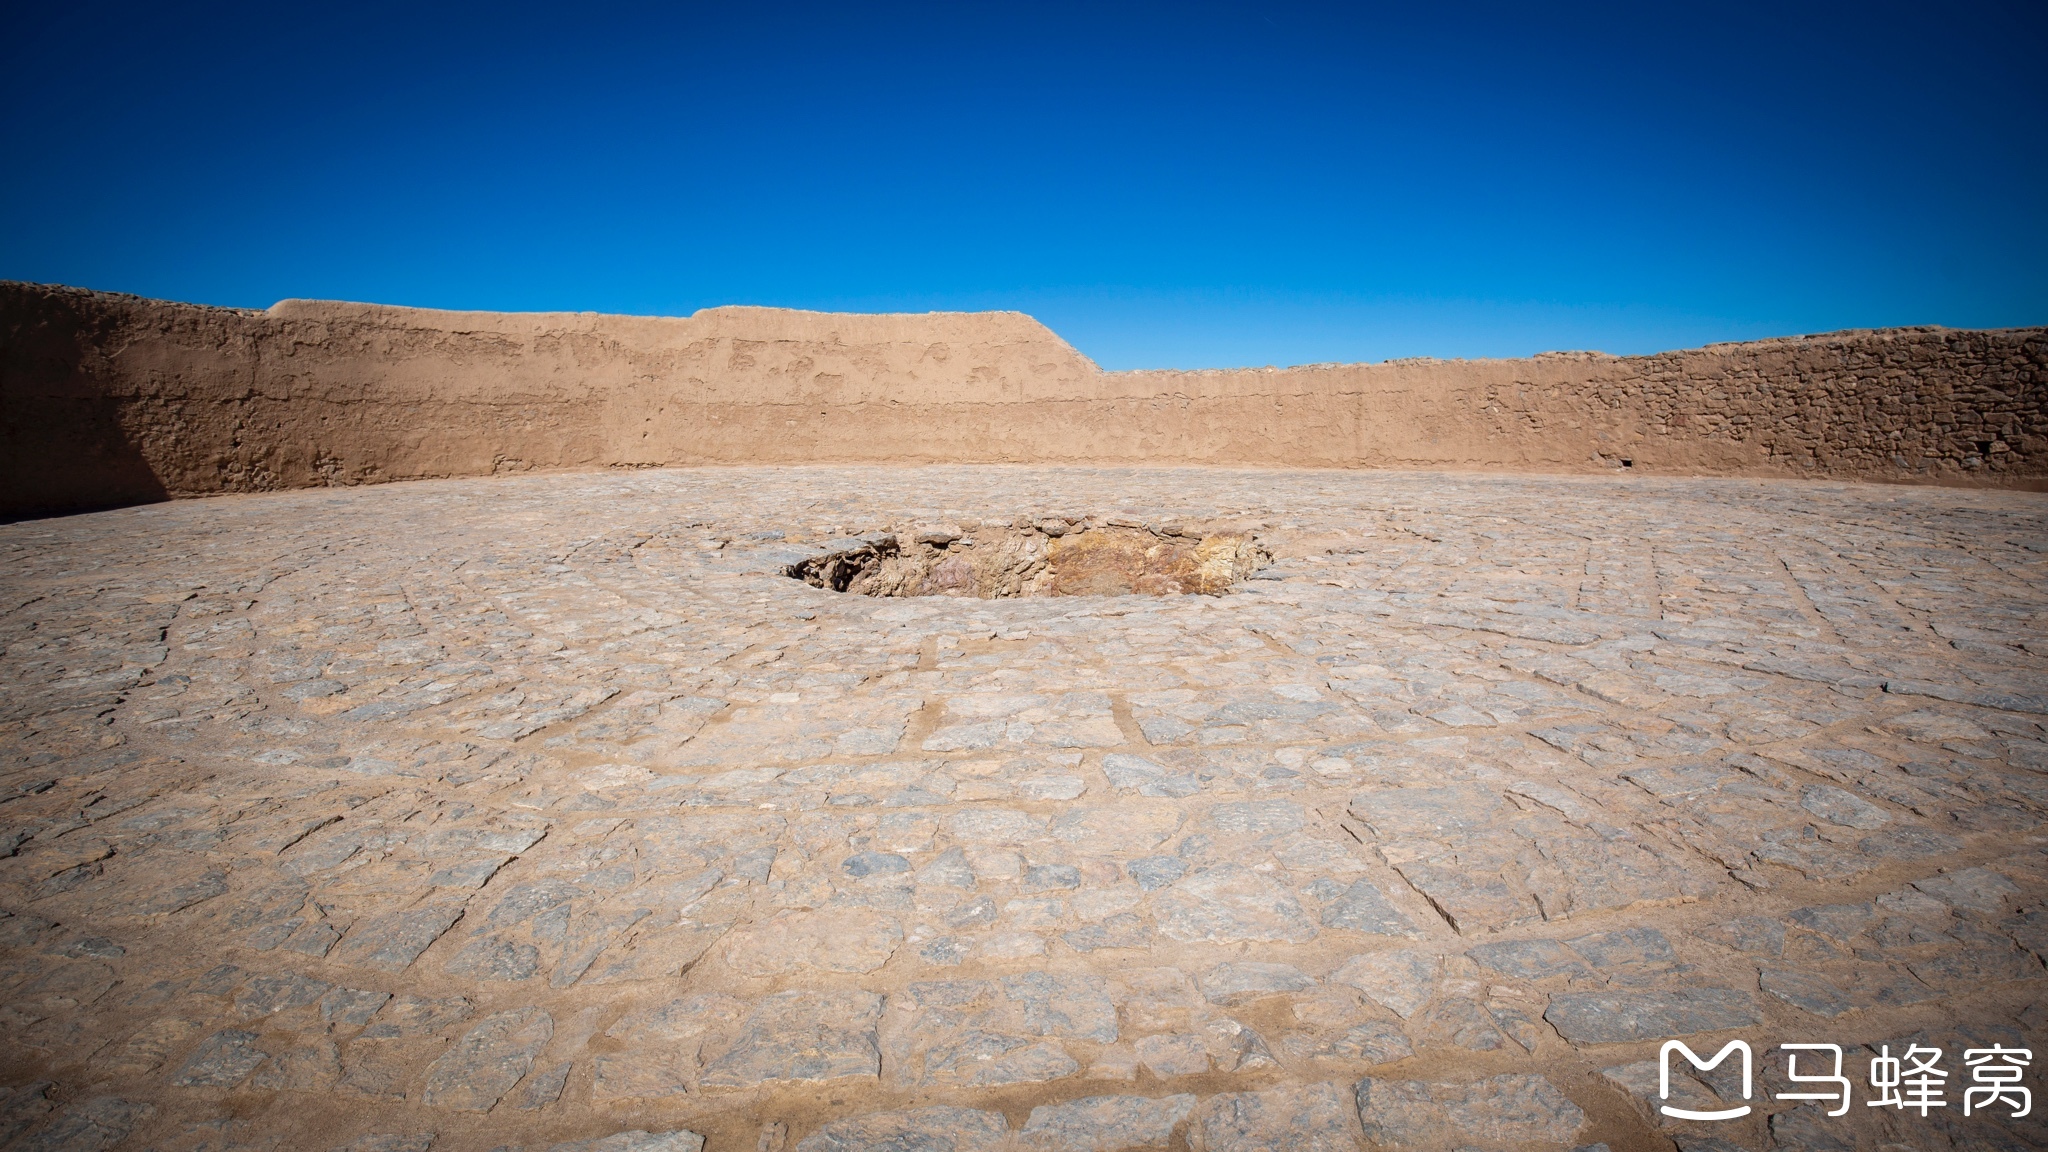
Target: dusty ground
513 812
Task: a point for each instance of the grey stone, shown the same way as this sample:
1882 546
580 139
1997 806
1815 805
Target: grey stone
1235 1047
1453 813
21 929
544 1087
1229 904
218 980
275 934
1624 1017
97 947
393 941
389 1142
978 912
986 1033
831 939
1461 1022
992 1060
314 940
865 864
93 1125
469 874
1373 1042
1760 935
1120 930
1501 1111
493 957
1968 968
1241 982
313 689
801 1036
1469 894
1977 889
1645 1080
1123 830
1309 1118
265 995
1076 1005
1530 959
21 1106
586 937
351 1007
474 1074
1364 908
1512 1109
1401 980
1105 1123
1627 946
417 1016
1135 773
636 1140
1807 1131
179 897
222 1060
1172 1054
662 1047
1838 921
1804 989
522 902
942 1129
1839 806
1516 1025
312 1067
1933 727
1257 817
949 869
996 827
1156 871
1049 878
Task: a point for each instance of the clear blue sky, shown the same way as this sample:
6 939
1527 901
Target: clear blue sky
1172 186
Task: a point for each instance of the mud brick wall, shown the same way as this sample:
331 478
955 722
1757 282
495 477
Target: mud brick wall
108 400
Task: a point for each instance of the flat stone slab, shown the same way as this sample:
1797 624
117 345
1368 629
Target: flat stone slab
1621 1017
528 812
1309 1118
489 1059
1500 1111
941 1129
801 1036
1105 1123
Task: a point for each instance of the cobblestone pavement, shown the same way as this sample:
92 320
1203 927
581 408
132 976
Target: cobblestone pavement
545 812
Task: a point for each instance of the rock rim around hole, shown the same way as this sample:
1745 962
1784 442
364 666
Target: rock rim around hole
1037 558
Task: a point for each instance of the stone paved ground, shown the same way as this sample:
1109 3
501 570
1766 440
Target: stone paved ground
529 812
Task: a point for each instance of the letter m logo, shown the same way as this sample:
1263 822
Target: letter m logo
1664 1078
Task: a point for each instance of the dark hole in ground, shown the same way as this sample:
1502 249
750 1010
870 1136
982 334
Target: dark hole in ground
1043 558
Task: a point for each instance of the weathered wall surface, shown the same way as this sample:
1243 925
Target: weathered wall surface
108 399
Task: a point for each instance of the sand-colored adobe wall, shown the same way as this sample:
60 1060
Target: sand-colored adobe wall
109 399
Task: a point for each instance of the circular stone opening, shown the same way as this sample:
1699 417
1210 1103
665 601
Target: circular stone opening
1043 557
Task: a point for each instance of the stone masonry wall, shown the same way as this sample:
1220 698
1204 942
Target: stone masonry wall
108 400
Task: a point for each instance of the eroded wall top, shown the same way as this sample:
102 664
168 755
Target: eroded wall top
108 399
